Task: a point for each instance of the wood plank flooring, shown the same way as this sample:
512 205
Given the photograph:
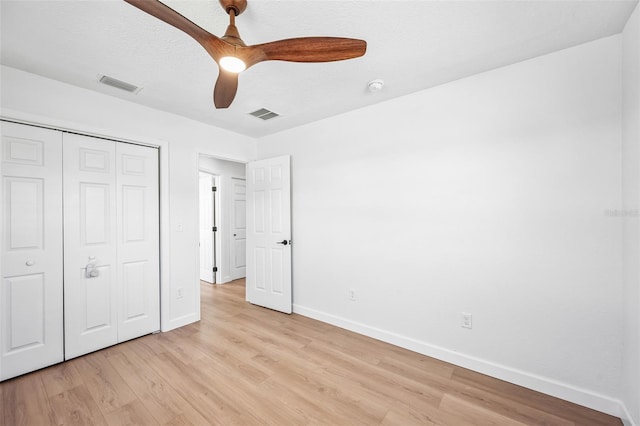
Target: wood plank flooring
244 365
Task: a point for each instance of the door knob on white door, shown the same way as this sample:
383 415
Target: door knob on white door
29 263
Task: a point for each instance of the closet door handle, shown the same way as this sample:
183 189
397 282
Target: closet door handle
91 271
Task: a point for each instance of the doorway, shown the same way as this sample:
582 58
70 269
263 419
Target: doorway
222 213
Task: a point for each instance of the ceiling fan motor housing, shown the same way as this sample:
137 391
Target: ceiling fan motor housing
237 6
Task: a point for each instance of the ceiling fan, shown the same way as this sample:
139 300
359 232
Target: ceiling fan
233 56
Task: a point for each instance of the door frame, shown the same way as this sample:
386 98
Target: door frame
217 248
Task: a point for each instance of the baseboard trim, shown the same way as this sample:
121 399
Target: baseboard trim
627 419
532 381
180 321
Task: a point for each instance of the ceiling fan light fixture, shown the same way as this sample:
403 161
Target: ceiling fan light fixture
232 64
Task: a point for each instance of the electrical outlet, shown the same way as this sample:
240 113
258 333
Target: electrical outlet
180 293
467 320
352 295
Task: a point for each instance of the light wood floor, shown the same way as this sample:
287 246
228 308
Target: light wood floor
247 365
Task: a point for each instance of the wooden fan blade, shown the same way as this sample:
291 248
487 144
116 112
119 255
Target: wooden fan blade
226 88
210 42
307 49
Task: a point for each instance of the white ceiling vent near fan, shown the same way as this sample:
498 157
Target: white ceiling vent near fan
264 114
119 84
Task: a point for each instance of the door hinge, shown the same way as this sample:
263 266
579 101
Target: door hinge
215 269
214 189
214 229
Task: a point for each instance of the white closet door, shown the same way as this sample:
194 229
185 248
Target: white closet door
112 285
138 240
31 334
90 264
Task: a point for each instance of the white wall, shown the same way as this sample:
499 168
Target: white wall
488 195
226 170
629 216
33 98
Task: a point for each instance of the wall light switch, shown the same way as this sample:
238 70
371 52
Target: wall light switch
467 320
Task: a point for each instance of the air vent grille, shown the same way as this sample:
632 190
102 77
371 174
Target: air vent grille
119 84
264 114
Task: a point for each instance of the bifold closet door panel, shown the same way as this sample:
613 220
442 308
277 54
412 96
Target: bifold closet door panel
112 283
138 240
31 324
90 244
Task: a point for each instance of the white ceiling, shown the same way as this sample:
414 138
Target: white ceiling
412 45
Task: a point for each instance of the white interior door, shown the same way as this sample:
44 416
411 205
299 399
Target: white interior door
238 228
111 237
138 248
31 324
90 232
206 226
269 234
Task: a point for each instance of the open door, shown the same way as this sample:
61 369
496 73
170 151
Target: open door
238 229
269 233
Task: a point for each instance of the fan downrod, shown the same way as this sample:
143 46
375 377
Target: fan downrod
237 6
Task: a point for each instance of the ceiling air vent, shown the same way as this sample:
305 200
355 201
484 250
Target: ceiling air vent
119 84
264 114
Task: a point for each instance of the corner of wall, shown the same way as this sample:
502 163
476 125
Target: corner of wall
631 199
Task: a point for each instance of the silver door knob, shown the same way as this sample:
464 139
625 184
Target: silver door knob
91 270
29 263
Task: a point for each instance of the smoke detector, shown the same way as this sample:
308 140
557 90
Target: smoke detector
375 85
